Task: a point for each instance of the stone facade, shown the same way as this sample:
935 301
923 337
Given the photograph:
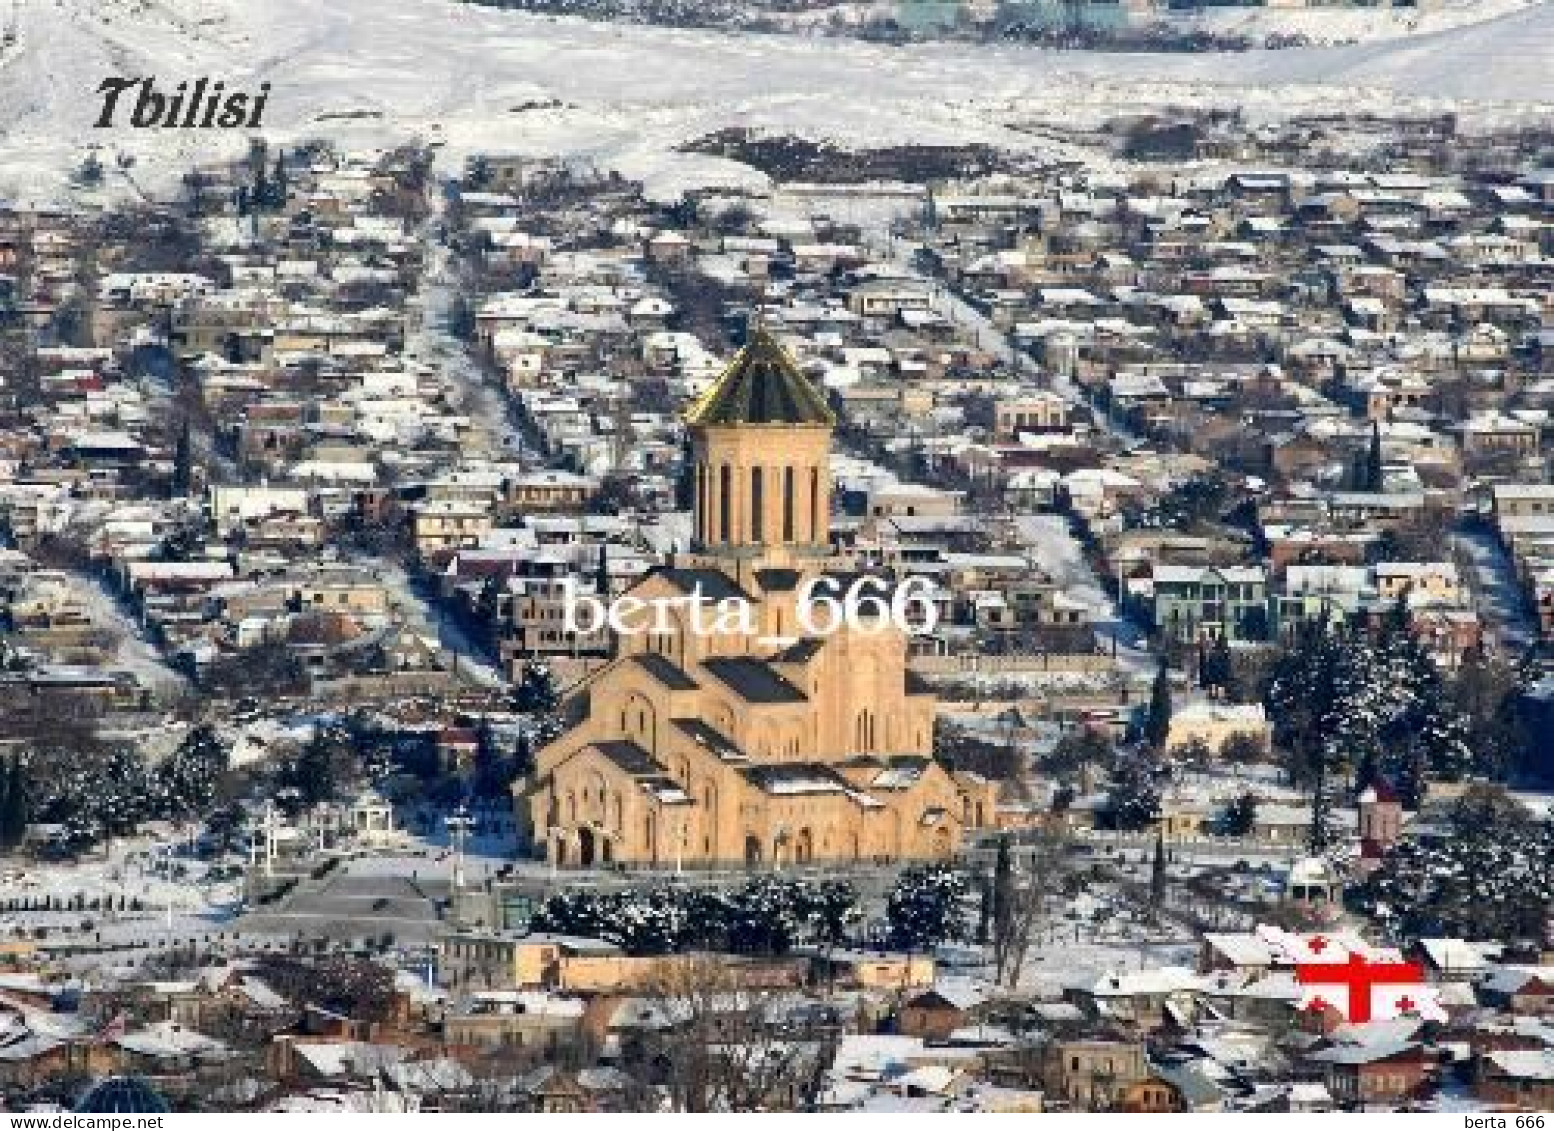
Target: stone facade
751 745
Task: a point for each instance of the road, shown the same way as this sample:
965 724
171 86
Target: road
947 301
1048 538
1497 594
474 664
494 434
135 652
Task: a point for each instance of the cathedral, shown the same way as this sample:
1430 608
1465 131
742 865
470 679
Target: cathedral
759 746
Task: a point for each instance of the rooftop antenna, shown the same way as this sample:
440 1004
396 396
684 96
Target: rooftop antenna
758 323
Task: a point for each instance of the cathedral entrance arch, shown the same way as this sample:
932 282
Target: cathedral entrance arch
752 850
587 847
804 847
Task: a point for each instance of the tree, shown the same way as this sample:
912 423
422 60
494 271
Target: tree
1157 723
89 174
320 770
536 696
1243 749
722 1051
187 780
769 915
1488 875
183 460
13 803
1215 668
1488 692
1001 892
1320 835
1077 749
1375 473
536 692
1134 798
1240 815
1196 751
1341 699
494 767
1157 876
925 908
224 825
1025 898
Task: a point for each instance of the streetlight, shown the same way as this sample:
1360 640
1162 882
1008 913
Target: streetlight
459 827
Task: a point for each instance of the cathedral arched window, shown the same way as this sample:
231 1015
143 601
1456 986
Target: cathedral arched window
726 503
757 505
814 504
787 504
703 510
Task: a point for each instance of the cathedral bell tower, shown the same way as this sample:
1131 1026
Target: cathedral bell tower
761 445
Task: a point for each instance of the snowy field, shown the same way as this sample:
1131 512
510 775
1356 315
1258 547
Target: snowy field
177 897
369 72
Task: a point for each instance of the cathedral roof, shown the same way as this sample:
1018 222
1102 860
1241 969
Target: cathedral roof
762 385
775 580
791 778
629 756
715 584
666 671
713 739
753 681
800 651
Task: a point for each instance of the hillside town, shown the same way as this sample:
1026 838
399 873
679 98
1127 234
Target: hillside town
1183 506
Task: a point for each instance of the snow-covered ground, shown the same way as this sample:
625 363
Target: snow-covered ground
493 433
176 896
136 654
370 72
1496 589
1060 556
473 664
1327 24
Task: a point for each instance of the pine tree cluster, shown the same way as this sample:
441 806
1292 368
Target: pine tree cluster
768 915
927 907
1342 698
102 793
1489 874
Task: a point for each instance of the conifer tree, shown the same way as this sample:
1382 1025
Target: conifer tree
1157 874
13 804
183 460
1157 724
1375 475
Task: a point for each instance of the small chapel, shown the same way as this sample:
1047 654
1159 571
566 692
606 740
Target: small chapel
759 746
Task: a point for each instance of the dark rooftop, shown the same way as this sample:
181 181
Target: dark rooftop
753 680
630 757
762 385
778 580
800 651
713 739
715 585
666 671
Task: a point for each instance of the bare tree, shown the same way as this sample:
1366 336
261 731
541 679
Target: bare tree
1026 891
721 1048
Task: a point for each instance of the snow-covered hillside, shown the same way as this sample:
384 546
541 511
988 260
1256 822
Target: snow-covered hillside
379 71
1327 24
